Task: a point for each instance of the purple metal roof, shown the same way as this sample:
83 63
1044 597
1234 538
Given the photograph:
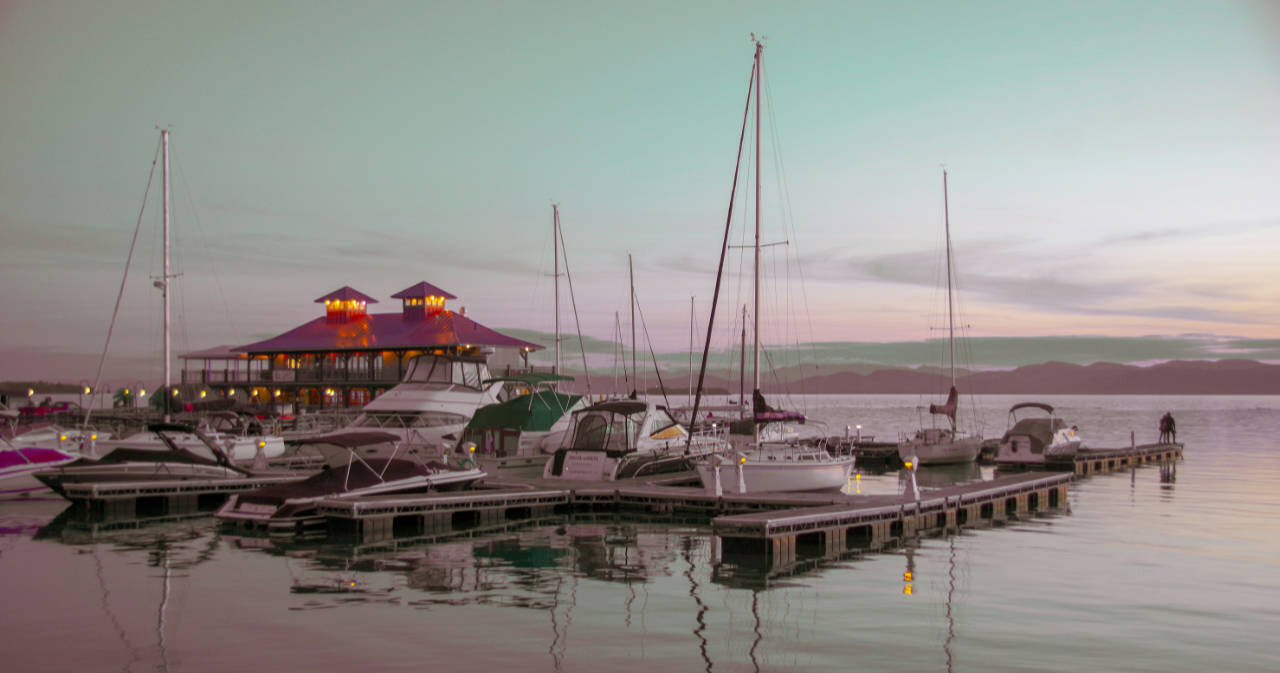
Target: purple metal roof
347 293
386 331
423 289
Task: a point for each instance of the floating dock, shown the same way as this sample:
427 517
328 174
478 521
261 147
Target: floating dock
137 499
1099 461
774 525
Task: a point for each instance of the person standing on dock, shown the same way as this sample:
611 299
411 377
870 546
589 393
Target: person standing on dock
1173 428
1166 427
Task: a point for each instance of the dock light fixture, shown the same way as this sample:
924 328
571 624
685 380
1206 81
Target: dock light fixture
175 392
31 392
909 465
202 394
231 392
88 389
142 392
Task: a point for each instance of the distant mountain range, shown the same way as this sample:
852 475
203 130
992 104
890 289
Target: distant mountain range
1178 377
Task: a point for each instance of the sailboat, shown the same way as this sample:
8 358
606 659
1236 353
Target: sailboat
516 436
777 463
946 445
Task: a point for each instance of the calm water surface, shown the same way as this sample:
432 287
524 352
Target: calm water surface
1138 575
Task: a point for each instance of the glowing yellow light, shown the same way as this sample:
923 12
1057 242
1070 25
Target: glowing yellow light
907 576
86 390
175 392
743 460
907 464
94 437
471 448
31 391
277 392
142 392
907 590
353 584
857 477
126 391
231 392
202 394
262 444
62 438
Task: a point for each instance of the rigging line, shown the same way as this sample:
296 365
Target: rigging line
586 373
724 249
644 326
784 190
97 379
204 243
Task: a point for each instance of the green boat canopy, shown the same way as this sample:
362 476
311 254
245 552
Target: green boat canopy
536 411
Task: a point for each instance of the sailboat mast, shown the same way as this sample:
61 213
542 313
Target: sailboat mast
755 354
555 274
164 280
951 321
755 357
631 275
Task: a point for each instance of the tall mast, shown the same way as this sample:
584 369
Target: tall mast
755 356
951 322
555 253
635 373
164 280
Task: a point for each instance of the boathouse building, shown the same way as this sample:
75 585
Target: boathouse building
348 356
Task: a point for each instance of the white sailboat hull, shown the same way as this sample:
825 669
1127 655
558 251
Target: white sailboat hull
764 476
944 451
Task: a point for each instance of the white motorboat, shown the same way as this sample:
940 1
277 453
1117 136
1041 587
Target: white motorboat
628 438
946 445
162 459
291 508
437 397
1035 439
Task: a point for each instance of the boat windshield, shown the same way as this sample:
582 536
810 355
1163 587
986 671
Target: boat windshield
446 371
605 430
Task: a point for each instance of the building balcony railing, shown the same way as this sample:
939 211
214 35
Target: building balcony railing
310 377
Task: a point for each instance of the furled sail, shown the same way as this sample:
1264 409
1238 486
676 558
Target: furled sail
764 413
949 408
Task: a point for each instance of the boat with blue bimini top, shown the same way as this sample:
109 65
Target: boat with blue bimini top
630 438
290 509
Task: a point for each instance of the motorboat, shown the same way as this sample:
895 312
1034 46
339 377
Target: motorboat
1036 436
18 467
290 508
437 397
515 437
629 438
243 440
158 459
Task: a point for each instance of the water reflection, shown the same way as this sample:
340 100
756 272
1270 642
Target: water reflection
941 476
172 546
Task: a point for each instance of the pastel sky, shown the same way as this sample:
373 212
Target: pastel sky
1114 167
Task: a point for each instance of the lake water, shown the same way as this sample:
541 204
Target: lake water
1138 575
